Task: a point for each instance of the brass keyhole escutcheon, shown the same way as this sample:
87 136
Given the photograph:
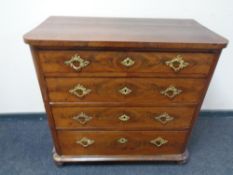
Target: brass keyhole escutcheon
125 91
122 140
127 62
124 118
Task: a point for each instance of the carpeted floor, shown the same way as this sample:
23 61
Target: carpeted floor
25 149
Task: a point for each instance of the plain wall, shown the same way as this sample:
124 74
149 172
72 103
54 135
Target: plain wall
19 89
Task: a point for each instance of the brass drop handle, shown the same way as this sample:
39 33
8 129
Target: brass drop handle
171 91
77 63
177 63
164 118
85 142
159 141
80 91
82 118
122 140
124 118
127 62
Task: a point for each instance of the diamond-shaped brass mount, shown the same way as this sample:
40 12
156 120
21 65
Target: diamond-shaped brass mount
127 62
124 118
122 140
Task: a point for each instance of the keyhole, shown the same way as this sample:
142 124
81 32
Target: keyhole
176 64
82 119
170 93
76 63
85 143
163 119
158 143
79 91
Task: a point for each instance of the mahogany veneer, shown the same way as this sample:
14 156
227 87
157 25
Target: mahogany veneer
106 143
110 118
121 89
110 61
145 91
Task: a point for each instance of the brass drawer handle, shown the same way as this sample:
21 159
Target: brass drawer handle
171 91
77 63
159 141
177 63
164 118
85 142
127 62
82 118
125 91
80 91
124 118
122 140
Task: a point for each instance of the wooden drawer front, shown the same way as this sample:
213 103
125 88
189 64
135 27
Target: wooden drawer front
121 142
120 118
150 91
108 61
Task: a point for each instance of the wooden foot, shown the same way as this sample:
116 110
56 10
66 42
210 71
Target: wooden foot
184 160
181 162
59 163
57 159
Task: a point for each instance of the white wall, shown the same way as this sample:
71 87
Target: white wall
19 91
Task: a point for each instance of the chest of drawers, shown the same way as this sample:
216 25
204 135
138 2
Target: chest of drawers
122 89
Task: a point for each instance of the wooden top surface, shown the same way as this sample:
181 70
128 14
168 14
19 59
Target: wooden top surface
124 32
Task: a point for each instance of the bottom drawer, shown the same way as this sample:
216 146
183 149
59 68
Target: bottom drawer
121 142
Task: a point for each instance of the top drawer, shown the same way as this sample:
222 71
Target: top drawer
81 62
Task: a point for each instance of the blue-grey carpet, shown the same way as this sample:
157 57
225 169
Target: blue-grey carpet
25 149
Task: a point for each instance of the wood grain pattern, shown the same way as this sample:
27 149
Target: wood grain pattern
110 62
106 142
124 33
144 91
103 118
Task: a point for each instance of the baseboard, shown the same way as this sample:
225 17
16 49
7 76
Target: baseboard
23 116
216 113
42 116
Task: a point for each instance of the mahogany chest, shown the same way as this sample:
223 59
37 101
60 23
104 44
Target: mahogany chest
120 89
